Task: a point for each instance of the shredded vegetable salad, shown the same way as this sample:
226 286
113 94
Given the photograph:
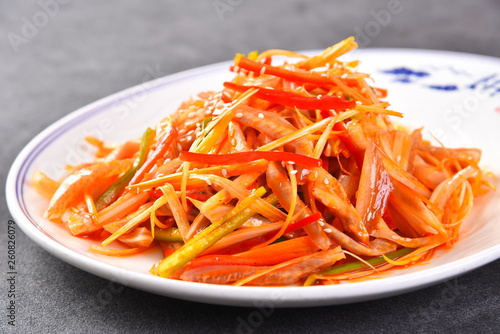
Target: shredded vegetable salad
292 174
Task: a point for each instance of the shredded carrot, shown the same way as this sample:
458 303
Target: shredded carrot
116 252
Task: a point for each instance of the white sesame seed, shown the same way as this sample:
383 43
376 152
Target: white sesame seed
358 103
293 171
319 96
325 181
262 70
344 76
261 115
224 172
328 230
291 162
238 115
321 223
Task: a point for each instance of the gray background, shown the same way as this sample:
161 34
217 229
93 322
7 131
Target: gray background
87 50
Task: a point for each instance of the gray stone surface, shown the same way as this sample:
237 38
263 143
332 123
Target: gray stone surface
82 51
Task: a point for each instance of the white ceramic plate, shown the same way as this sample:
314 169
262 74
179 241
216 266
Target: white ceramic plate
456 96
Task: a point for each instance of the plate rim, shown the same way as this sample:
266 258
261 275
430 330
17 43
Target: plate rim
191 290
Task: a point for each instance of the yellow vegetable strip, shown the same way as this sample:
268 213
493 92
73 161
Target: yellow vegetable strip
442 193
229 170
243 234
116 252
205 142
260 205
349 91
154 220
223 196
184 182
177 209
318 126
91 208
171 234
323 139
197 225
276 52
365 88
210 135
379 109
128 226
301 133
330 54
302 117
208 237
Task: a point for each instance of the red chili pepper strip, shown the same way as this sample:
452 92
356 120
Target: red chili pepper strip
219 259
291 99
242 245
303 222
241 157
230 260
265 256
295 76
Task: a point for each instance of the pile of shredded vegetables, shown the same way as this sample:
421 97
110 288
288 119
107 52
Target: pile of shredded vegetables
292 174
